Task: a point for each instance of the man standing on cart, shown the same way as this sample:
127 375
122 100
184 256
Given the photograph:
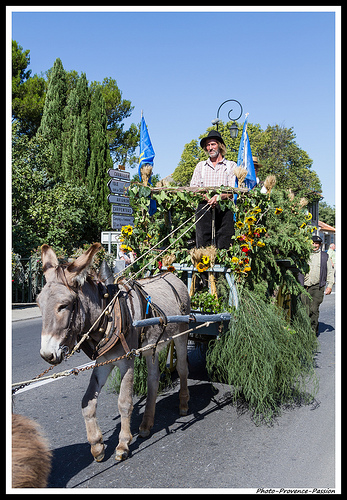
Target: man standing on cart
216 226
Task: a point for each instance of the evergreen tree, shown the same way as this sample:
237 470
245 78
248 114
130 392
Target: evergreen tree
100 159
75 132
51 126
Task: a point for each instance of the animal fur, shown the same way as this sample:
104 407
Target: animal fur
31 456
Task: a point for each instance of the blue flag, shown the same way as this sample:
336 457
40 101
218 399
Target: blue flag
146 149
147 155
245 159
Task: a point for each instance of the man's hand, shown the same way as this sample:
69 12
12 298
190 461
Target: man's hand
327 291
213 201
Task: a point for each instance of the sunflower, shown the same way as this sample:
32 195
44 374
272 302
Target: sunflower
201 268
278 211
239 224
127 230
234 260
255 210
250 220
171 269
205 259
247 269
260 244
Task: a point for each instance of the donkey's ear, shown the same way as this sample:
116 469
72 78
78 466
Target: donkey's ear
49 259
77 270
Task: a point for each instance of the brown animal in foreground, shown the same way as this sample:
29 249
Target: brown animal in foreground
31 456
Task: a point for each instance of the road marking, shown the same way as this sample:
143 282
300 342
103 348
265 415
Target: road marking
33 385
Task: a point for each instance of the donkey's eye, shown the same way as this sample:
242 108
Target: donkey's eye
62 307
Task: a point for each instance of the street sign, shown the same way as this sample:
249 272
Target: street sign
123 200
110 236
118 221
119 209
118 187
119 174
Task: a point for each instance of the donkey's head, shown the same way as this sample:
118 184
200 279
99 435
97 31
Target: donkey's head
59 302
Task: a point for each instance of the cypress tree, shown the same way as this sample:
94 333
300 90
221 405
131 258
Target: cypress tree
75 132
100 158
51 126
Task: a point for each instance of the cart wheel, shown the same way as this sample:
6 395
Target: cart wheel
171 360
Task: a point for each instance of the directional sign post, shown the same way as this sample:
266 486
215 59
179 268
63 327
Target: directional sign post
121 220
121 210
118 187
119 174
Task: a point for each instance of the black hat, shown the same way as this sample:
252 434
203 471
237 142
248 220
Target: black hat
213 134
317 239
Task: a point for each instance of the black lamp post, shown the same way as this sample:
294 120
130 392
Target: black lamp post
233 129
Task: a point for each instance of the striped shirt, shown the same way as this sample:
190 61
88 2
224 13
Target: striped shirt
206 175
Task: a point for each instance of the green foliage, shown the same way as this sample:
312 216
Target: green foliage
51 126
327 213
140 375
28 92
267 361
44 211
100 159
122 143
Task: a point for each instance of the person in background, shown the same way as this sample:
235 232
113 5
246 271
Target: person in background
332 254
216 171
318 281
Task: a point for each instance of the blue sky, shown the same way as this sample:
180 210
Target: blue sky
180 66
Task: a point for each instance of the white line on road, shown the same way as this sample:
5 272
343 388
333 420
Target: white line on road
43 382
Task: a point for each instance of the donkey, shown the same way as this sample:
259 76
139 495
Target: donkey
71 302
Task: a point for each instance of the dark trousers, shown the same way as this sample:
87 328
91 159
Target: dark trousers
224 227
312 306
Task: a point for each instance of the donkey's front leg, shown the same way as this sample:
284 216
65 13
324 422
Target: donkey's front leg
125 407
89 404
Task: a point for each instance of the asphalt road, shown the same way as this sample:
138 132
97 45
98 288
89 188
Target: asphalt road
215 446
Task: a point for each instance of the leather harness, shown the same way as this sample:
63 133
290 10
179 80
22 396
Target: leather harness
117 321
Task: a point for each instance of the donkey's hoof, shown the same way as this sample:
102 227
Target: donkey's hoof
98 452
144 433
121 455
183 411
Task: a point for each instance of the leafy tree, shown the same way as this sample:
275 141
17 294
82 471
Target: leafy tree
122 142
51 126
327 213
28 93
43 210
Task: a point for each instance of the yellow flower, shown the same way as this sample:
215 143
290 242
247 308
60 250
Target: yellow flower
250 220
171 269
260 244
239 224
247 269
303 225
127 230
261 229
308 216
205 259
234 260
278 211
256 210
201 268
